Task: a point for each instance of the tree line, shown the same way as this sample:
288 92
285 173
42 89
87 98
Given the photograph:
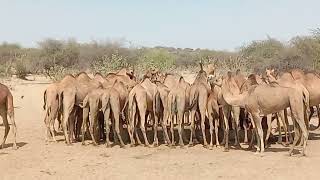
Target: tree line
55 58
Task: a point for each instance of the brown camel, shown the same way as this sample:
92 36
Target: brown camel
72 92
7 109
199 92
177 106
51 106
258 100
139 105
161 112
213 115
310 81
228 110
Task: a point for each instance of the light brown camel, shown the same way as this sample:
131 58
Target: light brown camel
253 80
7 110
213 115
199 92
171 82
140 103
161 112
285 79
227 110
72 92
51 106
258 101
99 77
177 106
311 81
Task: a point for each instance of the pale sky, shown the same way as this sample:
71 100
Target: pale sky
212 24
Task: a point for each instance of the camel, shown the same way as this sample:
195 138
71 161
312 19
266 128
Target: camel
72 92
124 72
253 80
258 100
227 110
177 106
51 106
310 81
198 103
99 77
7 109
161 112
139 105
213 114
111 103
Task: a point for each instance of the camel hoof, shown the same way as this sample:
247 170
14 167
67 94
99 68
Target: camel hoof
226 150
210 147
123 146
190 144
108 146
14 147
83 143
182 146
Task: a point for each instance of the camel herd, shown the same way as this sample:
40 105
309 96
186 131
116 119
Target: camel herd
95 106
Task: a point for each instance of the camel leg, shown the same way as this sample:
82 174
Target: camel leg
136 130
47 130
192 130
257 121
50 122
164 126
226 111
318 114
279 130
211 130
66 115
245 129
216 130
286 126
131 124
116 113
180 119
296 138
3 114
172 130
269 118
203 128
142 127
107 124
236 113
72 122
155 130
93 124
85 117
285 123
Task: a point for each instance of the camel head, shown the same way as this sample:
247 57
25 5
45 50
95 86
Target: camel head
215 80
270 77
130 72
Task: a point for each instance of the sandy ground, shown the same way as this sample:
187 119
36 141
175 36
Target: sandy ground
37 160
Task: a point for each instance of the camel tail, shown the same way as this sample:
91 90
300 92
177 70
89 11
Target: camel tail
306 97
124 108
105 102
60 102
194 100
157 103
85 102
44 99
10 107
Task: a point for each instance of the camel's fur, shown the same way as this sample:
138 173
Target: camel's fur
7 110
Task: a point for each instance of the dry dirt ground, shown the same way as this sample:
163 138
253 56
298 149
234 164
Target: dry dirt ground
36 159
